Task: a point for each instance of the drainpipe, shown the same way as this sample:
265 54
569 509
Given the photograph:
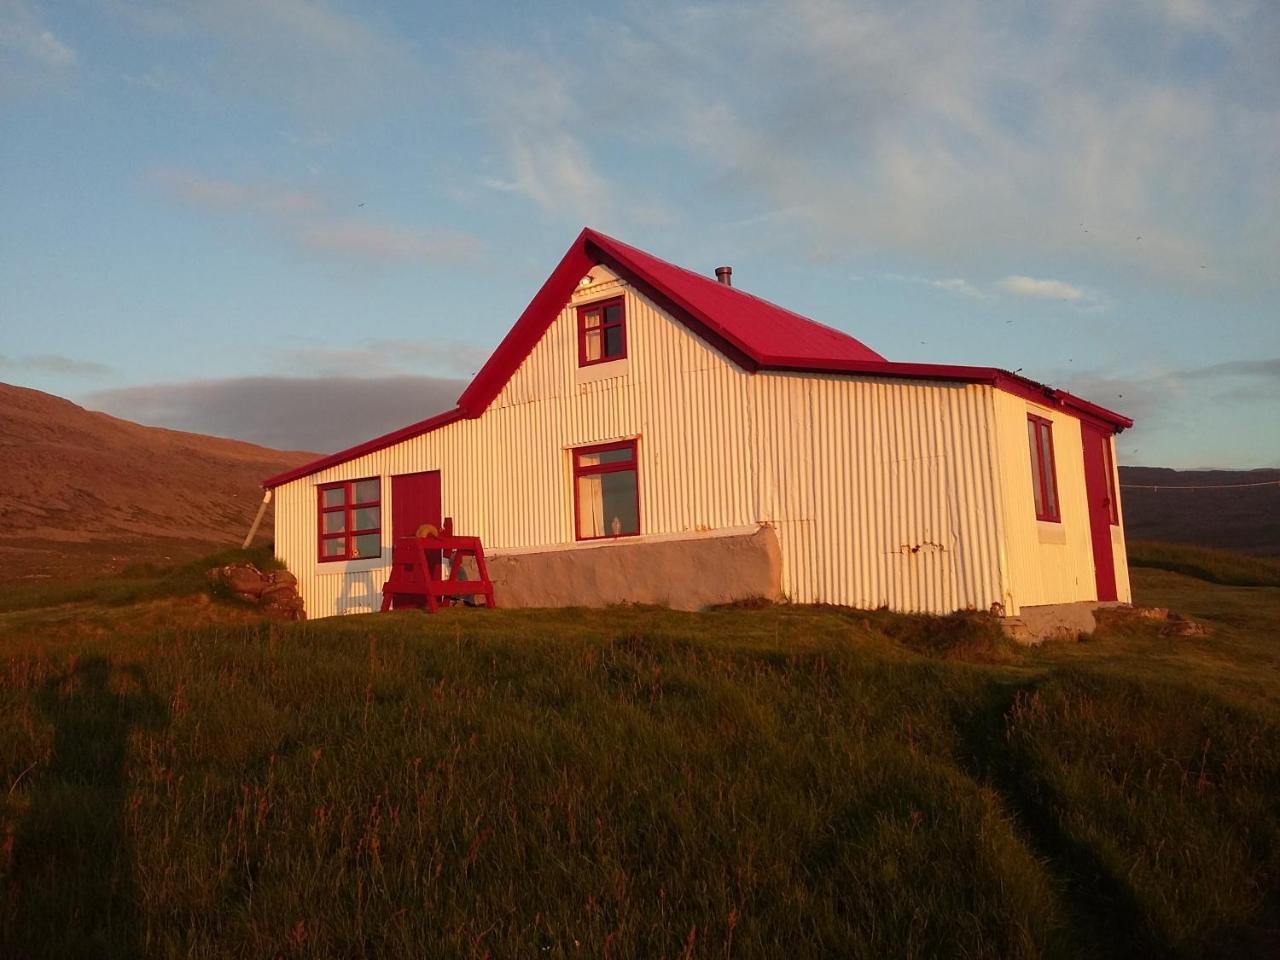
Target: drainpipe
253 530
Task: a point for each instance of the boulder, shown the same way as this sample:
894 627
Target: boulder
243 579
275 592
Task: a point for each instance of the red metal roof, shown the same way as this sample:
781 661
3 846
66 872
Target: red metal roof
765 332
753 333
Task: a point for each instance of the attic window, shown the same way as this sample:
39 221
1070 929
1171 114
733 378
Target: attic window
350 519
602 332
1044 481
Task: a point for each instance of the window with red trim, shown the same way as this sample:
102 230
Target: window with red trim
1044 482
350 519
1108 464
606 495
602 332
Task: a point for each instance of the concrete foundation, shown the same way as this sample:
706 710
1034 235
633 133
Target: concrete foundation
686 573
1053 621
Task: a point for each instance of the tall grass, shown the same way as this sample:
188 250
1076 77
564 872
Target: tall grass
624 783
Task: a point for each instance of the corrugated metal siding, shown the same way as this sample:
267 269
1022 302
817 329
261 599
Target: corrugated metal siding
882 491
506 475
1041 570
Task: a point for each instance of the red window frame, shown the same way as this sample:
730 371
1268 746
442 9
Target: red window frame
1044 475
348 508
617 466
1108 464
599 306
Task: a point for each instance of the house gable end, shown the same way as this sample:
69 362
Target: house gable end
657 347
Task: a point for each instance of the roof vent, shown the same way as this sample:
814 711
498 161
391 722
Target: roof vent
725 275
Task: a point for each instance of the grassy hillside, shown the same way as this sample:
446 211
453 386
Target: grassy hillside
177 778
87 493
1206 563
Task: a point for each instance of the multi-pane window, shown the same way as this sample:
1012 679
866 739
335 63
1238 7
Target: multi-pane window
602 332
350 517
1108 464
1044 483
605 492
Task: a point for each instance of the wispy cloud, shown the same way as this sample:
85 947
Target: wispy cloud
1264 369
1016 286
23 32
1169 404
54 363
380 357
1043 289
292 413
31 54
379 241
529 105
306 220
972 132
958 285
318 62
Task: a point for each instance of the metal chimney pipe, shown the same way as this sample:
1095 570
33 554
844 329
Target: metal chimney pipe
725 275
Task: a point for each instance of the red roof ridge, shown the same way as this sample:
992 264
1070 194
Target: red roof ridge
597 235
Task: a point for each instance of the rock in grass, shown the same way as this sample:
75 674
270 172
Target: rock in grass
275 592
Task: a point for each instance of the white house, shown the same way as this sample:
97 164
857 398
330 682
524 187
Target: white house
639 417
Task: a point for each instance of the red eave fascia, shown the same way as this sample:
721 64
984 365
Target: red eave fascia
361 449
1000 379
524 335
725 340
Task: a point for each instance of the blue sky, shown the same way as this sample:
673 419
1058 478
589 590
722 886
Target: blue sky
302 223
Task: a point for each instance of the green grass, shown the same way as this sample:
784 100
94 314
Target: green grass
1206 563
135 584
799 781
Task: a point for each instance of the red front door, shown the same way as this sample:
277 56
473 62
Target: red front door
415 500
1097 487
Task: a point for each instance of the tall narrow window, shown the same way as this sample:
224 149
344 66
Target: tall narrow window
606 496
602 332
350 518
1044 482
1108 464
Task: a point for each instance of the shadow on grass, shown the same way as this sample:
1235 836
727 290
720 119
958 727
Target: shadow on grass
1103 914
73 893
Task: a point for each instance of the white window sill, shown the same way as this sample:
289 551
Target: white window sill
1050 532
608 370
354 566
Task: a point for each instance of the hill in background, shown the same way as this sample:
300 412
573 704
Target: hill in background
1232 517
85 492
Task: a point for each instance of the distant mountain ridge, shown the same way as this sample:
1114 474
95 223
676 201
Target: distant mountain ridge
84 492
1160 504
